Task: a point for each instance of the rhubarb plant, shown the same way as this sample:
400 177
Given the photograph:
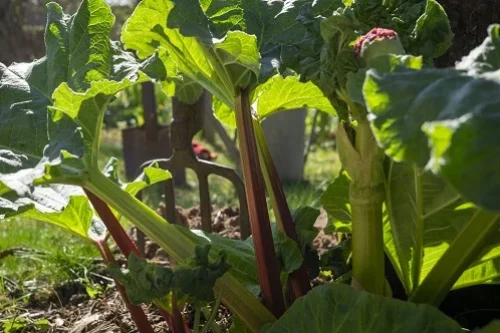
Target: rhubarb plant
334 51
437 235
258 58
231 51
442 139
51 118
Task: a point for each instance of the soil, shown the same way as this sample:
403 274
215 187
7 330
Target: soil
69 308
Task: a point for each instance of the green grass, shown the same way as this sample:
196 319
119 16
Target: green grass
44 257
66 257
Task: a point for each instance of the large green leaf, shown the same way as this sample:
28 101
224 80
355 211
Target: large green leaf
288 93
23 115
87 109
78 46
425 217
146 31
219 45
62 205
445 119
323 53
278 94
78 52
340 308
271 21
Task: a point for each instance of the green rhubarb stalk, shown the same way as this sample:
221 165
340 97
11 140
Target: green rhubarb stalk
299 279
458 257
239 300
363 160
267 261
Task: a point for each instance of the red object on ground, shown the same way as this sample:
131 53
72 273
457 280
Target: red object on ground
203 153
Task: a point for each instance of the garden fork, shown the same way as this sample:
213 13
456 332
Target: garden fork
187 120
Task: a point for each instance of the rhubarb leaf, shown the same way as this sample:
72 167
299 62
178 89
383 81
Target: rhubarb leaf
324 53
339 308
279 94
444 119
184 57
425 216
240 255
150 175
87 109
78 52
146 282
23 115
62 205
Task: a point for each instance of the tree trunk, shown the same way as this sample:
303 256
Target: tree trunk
469 22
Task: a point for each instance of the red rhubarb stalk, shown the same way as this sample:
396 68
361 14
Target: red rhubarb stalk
267 262
123 241
299 279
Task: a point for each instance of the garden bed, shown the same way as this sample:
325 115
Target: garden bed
69 308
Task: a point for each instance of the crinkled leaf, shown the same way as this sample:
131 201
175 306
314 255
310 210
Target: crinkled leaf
78 52
335 200
195 278
431 36
144 282
23 115
240 255
214 43
62 205
445 119
271 21
78 46
340 308
421 25
146 31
